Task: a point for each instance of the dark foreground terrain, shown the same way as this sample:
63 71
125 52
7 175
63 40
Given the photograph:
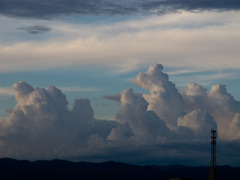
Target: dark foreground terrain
67 170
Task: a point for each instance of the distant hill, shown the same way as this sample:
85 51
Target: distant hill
67 170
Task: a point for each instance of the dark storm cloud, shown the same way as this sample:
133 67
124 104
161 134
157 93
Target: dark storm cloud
48 9
36 29
55 8
192 4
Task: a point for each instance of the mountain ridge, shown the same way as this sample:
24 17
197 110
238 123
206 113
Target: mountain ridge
57 169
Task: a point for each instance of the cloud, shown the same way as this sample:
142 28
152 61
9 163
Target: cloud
175 40
6 91
36 29
41 125
165 125
145 125
49 9
163 94
225 109
192 108
234 127
199 122
218 103
115 97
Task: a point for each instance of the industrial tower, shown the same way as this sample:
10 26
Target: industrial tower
213 170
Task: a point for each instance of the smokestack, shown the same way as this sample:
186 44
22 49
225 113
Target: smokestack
213 170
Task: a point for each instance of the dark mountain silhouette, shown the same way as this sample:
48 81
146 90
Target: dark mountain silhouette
67 170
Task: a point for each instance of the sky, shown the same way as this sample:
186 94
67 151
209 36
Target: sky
136 81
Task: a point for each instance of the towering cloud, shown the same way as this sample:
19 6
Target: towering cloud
163 123
164 98
145 125
193 108
195 97
225 110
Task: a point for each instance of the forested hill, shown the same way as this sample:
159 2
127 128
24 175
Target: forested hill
67 170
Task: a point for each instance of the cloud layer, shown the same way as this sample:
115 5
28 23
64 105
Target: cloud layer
189 41
49 9
157 127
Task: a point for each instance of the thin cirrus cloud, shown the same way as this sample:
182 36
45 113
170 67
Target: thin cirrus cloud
49 9
147 128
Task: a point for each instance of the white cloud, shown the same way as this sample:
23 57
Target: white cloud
163 94
146 126
199 121
165 123
192 108
224 109
218 103
198 41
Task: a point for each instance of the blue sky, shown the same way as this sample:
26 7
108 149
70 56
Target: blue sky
94 49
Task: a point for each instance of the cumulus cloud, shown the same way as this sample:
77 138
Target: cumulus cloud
199 121
224 109
145 125
41 122
48 9
194 108
164 124
234 127
218 103
195 97
163 94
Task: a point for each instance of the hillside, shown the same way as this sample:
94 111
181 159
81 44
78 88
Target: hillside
67 170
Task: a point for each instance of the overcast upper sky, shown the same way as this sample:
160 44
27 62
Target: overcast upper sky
52 9
133 81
